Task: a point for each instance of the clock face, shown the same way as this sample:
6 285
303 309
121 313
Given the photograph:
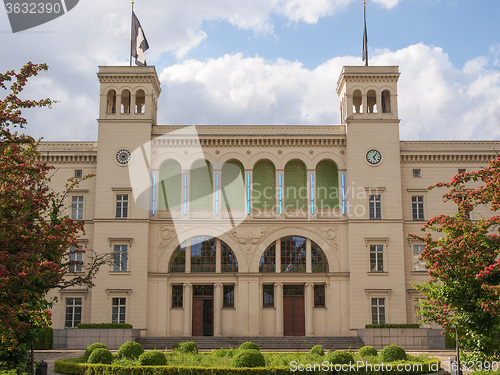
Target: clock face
123 156
373 157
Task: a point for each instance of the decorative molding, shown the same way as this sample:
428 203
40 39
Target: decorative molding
378 292
118 292
248 142
166 234
120 239
370 240
374 188
417 190
249 237
121 188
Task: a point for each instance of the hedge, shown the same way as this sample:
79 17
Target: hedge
387 325
104 326
45 341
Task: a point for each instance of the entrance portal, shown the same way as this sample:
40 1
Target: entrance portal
203 310
294 316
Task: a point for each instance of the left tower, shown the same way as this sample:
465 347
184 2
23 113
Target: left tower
127 113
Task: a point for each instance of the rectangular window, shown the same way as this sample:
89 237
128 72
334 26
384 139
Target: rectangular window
122 206
376 258
319 296
177 295
73 314
378 310
78 173
375 207
77 207
228 300
203 254
418 265
118 311
121 257
417 207
268 292
76 259
416 173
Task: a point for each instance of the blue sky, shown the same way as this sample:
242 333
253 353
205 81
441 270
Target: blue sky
270 61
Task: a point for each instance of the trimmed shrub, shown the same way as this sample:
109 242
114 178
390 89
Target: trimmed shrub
248 358
339 357
249 345
130 349
91 348
224 352
317 349
104 326
392 353
100 355
152 358
388 325
367 351
186 347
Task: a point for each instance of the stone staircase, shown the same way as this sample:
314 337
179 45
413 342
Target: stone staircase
266 343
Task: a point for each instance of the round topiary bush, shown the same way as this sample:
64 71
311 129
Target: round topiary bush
340 357
248 358
367 351
317 349
91 348
249 345
100 355
392 353
131 350
152 358
187 347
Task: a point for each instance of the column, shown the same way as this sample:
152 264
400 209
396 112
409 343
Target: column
278 305
308 256
188 314
218 309
309 308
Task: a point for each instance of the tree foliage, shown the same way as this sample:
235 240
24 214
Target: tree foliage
464 265
35 236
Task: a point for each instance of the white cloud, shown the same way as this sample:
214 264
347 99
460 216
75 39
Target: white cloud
388 3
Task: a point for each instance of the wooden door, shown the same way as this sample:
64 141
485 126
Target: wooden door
294 318
208 317
197 316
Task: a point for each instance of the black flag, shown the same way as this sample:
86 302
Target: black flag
365 39
139 42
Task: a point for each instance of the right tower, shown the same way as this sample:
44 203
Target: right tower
369 111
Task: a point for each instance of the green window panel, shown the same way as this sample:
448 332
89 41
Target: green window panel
233 185
295 185
318 259
178 259
264 185
268 260
170 185
327 185
201 185
293 254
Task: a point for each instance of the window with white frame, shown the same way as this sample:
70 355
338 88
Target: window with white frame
77 207
378 310
122 206
120 258
73 313
75 258
418 264
228 295
375 206
376 258
118 310
417 207
416 173
78 173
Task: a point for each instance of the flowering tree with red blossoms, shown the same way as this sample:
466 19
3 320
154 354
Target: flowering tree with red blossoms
464 265
35 237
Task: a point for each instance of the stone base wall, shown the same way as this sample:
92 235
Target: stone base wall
74 338
407 338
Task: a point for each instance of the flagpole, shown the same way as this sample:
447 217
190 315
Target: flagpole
131 31
365 37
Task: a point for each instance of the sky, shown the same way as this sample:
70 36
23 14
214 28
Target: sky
268 62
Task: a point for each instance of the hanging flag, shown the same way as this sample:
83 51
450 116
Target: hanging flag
365 39
139 42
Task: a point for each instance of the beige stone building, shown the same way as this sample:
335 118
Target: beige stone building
253 230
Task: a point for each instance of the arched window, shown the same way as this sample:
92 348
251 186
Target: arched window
125 101
386 101
111 102
318 259
327 185
229 263
170 190
178 259
295 185
203 250
371 104
233 185
140 101
201 188
293 254
268 260
357 101
264 186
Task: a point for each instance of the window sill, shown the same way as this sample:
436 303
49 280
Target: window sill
177 308
268 307
320 307
383 273
420 272
119 272
228 308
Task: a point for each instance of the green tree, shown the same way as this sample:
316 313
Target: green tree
462 261
35 236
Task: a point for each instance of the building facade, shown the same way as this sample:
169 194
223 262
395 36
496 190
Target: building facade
253 230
